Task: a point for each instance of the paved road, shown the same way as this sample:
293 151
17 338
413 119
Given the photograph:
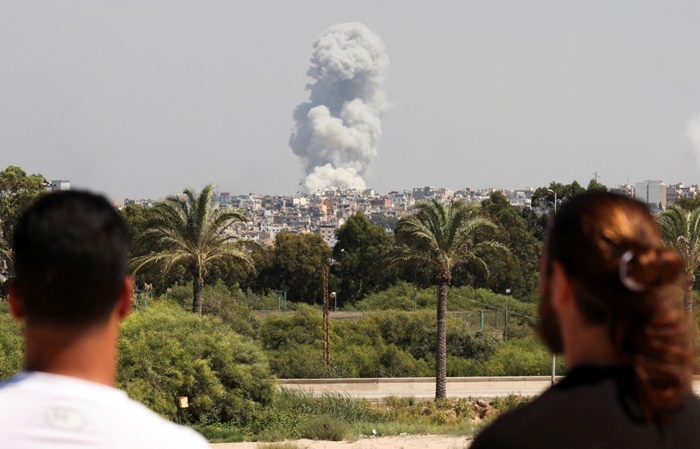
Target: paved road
424 387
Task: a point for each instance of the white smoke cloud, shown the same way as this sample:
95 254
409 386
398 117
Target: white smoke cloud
338 129
693 133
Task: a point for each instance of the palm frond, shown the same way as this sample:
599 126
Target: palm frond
189 230
440 236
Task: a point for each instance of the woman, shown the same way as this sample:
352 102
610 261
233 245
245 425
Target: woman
610 303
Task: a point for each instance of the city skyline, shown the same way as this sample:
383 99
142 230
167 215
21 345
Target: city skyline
141 100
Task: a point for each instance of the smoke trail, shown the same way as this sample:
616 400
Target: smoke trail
338 129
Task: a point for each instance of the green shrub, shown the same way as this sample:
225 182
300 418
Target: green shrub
303 327
465 341
464 409
510 402
299 362
325 427
269 301
521 357
218 300
275 424
165 352
290 410
181 295
11 343
398 402
399 297
221 433
339 405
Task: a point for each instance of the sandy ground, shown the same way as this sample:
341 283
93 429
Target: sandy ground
401 442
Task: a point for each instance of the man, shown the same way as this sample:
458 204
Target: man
610 302
71 291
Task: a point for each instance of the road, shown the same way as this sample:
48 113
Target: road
377 389
423 387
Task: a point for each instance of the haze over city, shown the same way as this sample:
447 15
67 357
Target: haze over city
142 99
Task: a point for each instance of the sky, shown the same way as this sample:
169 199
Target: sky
140 99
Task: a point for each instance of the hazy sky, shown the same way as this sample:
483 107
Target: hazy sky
142 98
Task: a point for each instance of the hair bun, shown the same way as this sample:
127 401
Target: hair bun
643 269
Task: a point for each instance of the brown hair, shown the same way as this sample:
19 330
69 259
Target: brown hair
625 279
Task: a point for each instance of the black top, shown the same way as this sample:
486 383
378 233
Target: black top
591 408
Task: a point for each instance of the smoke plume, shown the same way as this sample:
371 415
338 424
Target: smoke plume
338 129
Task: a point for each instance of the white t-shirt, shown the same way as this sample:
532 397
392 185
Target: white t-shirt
41 410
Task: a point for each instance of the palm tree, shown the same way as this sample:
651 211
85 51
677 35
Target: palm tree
439 237
681 231
189 230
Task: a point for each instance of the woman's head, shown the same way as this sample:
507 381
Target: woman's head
624 279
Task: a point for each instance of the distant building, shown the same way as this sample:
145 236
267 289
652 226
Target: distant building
225 198
60 184
672 195
624 190
652 193
674 192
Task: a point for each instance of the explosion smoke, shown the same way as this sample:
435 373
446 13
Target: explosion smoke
338 129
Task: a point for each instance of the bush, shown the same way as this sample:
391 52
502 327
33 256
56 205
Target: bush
325 427
464 341
299 362
339 405
303 327
291 410
165 352
522 357
220 433
11 343
217 300
399 297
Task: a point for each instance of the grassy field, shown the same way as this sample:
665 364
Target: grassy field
335 417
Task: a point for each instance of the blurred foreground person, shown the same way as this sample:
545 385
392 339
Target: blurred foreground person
610 302
71 290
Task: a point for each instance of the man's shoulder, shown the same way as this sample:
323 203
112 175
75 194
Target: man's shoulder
71 411
151 426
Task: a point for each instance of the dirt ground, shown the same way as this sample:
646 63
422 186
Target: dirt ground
400 442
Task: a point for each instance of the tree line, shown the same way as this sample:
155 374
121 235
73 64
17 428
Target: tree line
186 239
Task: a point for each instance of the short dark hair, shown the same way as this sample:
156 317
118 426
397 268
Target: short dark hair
70 255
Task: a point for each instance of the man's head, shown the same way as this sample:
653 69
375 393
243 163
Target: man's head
70 255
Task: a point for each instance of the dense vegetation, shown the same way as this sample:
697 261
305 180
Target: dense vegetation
220 361
226 356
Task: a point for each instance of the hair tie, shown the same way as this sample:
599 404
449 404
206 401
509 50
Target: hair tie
626 280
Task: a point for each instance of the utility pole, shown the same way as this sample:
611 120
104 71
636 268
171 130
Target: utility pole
505 329
326 339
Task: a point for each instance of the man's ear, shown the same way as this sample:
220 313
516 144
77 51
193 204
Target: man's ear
125 297
561 288
16 306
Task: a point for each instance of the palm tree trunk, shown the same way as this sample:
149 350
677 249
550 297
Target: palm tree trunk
197 286
441 344
688 295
